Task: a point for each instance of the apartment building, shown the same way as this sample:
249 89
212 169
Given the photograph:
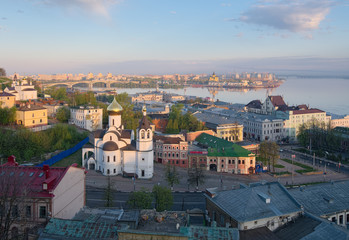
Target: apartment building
89 118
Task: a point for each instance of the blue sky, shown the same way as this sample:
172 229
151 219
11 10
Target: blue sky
174 36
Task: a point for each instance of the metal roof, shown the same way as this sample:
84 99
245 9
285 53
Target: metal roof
221 147
250 203
323 199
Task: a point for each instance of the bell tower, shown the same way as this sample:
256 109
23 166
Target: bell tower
114 112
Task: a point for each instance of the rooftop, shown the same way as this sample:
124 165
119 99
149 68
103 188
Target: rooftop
30 107
258 201
323 199
221 147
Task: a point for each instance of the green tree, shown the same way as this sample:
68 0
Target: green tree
58 93
108 195
140 199
7 115
269 153
63 114
172 176
163 198
196 176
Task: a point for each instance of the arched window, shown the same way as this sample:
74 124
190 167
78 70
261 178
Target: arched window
148 134
142 134
108 171
111 138
114 158
108 158
113 122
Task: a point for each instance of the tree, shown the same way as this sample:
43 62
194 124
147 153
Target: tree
2 72
172 176
269 153
63 114
196 175
163 198
7 115
140 199
108 195
13 200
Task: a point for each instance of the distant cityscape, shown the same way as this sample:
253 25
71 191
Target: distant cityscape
130 149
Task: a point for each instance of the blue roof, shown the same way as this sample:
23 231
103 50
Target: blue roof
249 204
323 199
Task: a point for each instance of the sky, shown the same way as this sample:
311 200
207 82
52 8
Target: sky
174 36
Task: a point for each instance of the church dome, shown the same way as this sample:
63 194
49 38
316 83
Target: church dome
114 107
110 146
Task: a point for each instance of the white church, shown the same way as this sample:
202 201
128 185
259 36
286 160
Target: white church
115 150
23 89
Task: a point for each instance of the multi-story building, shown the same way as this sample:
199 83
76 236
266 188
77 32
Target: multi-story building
30 115
295 118
7 100
171 150
223 156
259 205
89 117
33 195
23 90
170 97
157 96
224 128
340 122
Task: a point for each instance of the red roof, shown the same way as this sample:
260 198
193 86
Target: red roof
277 101
307 111
30 181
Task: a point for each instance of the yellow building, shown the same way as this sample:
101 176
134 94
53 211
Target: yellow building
31 116
213 78
7 100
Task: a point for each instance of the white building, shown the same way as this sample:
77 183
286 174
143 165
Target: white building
89 118
23 90
116 151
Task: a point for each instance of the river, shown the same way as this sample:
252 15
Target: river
328 94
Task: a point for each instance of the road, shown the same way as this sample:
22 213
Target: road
318 163
181 200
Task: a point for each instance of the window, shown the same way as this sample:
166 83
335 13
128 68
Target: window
143 173
42 213
222 220
239 161
148 134
340 219
333 219
44 113
222 160
108 158
251 161
114 158
142 134
33 115
142 159
177 162
111 138
177 155
114 170
233 161
108 171
183 162
33 121
28 211
15 211
229 161
243 161
222 166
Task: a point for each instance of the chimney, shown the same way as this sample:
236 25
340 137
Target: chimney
46 169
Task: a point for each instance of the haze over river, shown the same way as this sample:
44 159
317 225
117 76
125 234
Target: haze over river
328 94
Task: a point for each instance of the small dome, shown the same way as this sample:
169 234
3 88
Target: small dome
110 146
114 107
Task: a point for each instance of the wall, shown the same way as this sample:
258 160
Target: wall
69 195
7 101
26 118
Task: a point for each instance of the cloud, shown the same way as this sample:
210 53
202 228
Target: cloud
20 11
96 7
173 12
4 18
294 16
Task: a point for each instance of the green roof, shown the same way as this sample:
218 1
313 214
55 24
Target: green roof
222 148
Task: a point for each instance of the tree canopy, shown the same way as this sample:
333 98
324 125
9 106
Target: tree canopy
63 114
163 198
140 199
2 72
178 122
7 115
196 176
269 153
172 176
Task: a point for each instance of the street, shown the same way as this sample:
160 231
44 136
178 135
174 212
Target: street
181 200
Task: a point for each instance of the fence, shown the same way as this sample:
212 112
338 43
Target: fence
40 128
64 154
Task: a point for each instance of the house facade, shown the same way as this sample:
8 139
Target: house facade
89 118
